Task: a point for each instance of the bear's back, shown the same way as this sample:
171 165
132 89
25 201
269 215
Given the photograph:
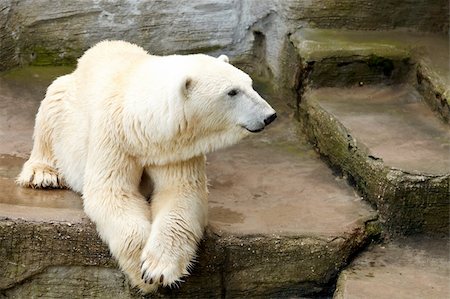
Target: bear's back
103 70
111 52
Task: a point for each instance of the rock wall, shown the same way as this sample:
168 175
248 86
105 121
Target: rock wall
57 32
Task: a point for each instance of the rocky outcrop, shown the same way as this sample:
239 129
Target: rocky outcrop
48 32
359 104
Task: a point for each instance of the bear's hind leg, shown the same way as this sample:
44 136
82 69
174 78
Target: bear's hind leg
40 170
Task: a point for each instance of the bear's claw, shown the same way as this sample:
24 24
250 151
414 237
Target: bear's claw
145 277
40 175
162 273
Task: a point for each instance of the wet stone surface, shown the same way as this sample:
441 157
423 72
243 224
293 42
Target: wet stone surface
391 145
363 104
413 268
394 123
280 222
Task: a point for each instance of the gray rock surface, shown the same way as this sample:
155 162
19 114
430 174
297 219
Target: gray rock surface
391 146
352 57
49 32
359 104
404 269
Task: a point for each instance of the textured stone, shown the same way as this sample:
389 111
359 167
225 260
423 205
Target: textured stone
411 268
59 35
351 57
369 15
383 141
253 32
78 282
435 87
359 129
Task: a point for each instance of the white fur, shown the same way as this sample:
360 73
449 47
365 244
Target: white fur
122 112
224 58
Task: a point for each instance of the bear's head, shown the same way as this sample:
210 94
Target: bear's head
191 105
220 106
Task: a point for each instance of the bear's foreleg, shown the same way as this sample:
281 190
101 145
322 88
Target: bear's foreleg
121 214
179 211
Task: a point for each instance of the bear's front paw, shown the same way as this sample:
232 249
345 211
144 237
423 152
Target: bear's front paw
39 175
163 266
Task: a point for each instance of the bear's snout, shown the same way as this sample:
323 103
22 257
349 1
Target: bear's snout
270 119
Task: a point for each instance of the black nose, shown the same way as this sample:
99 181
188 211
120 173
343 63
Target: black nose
270 119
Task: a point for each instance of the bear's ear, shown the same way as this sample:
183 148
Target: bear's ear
187 83
186 86
224 58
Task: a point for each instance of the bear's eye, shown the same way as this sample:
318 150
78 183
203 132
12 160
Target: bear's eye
233 92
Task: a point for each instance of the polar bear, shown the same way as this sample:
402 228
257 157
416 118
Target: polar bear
123 112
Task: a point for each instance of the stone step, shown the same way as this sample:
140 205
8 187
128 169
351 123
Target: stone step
404 269
391 145
351 57
280 222
383 138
